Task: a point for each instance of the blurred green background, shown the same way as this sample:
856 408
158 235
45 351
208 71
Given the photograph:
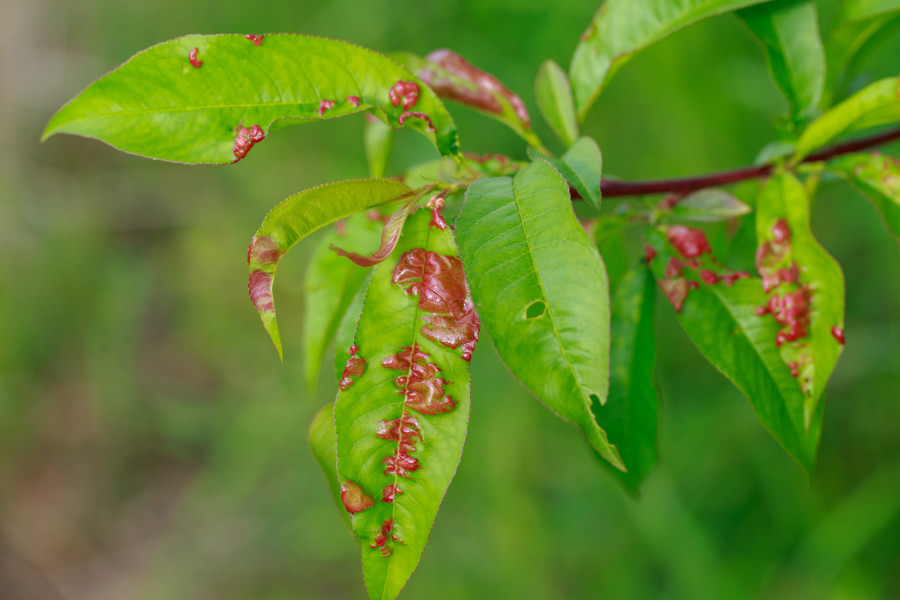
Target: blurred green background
152 447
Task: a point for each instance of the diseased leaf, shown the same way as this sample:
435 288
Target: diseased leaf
876 104
805 287
717 308
622 27
541 290
331 283
631 413
789 32
582 167
210 98
378 139
471 168
710 204
554 99
297 217
346 331
877 176
390 234
403 409
322 445
453 77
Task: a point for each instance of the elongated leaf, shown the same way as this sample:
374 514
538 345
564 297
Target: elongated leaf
717 309
163 103
472 167
403 409
789 33
876 104
805 284
631 413
582 167
622 27
541 290
378 139
877 176
331 283
709 205
608 235
860 10
322 445
297 217
554 98
346 332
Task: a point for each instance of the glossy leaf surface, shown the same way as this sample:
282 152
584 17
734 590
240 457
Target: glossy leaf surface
582 167
719 315
403 409
540 288
789 32
330 285
876 104
322 446
162 103
709 205
631 413
622 27
877 176
554 98
805 287
297 217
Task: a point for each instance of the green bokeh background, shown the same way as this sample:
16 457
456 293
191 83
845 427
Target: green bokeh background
153 448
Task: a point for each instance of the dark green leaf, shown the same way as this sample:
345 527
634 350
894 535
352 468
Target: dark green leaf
582 167
540 288
877 176
160 106
622 27
403 409
554 98
331 283
608 235
322 446
297 217
631 413
805 284
876 104
719 315
378 139
789 32
709 205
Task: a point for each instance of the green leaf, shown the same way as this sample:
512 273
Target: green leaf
297 217
608 234
554 99
322 445
622 27
789 32
378 139
859 10
541 290
719 315
582 167
346 331
160 106
453 77
877 176
631 413
331 283
876 104
805 284
403 409
472 167
710 204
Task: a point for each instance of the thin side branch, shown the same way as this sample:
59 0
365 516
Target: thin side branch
612 188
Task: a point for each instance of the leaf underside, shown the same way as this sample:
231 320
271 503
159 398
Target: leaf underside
877 176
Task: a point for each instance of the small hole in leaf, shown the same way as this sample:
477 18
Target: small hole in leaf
535 309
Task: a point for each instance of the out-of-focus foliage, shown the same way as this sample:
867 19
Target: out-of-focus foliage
140 459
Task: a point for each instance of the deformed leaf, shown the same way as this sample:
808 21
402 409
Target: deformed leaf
622 27
330 285
710 204
877 176
211 98
876 104
554 99
804 284
541 290
390 234
322 445
297 217
403 409
789 32
472 167
582 167
717 308
631 413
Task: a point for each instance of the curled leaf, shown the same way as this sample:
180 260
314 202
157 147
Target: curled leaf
389 236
